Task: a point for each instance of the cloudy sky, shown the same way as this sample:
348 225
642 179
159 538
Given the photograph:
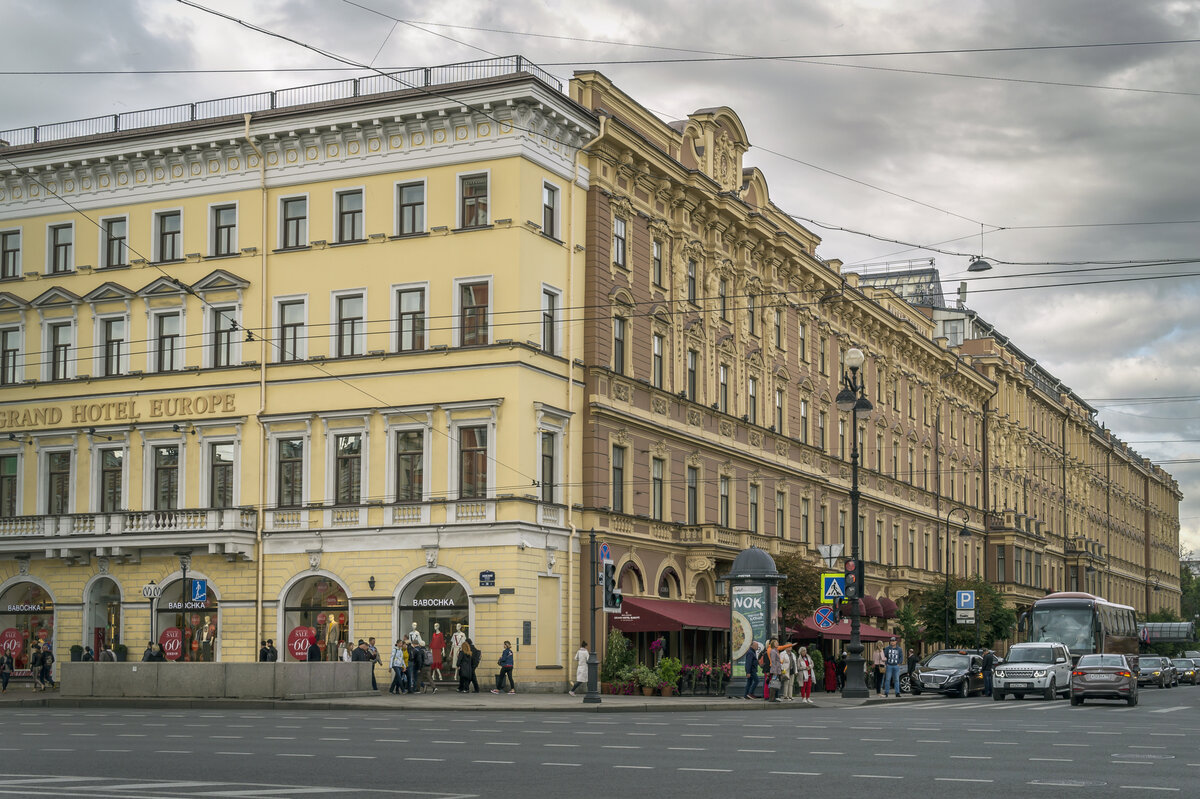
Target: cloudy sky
922 121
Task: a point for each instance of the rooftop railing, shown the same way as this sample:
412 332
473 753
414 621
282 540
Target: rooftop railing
315 93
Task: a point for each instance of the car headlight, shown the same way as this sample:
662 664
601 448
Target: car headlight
1041 673
999 672
1157 673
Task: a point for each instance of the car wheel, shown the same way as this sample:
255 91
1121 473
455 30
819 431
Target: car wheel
997 695
1076 700
1050 691
905 684
962 689
1132 700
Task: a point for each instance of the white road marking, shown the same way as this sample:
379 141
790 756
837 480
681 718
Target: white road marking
1170 710
501 743
565 746
958 779
560 764
234 753
1052 759
639 767
714 770
1148 788
292 754
760 751
617 746
877 776
797 773
827 753
970 757
356 757
428 759
695 735
495 762
686 749
891 754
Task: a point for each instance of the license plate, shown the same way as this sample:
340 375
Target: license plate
1020 685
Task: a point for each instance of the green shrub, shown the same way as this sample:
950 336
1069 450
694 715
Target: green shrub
618 658
669 669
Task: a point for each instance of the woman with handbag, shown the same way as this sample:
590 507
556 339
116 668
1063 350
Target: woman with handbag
773 662
805 671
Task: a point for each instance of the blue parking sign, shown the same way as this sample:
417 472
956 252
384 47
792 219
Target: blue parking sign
199 590
964 600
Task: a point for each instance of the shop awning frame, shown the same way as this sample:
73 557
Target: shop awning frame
646 615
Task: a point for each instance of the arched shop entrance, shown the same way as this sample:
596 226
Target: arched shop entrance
102 624
437 604
26 617
319 605
188 630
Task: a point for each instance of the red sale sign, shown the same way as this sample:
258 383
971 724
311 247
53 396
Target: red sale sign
12 641
298 641
171 642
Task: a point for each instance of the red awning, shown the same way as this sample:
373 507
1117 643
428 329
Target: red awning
873 607
888 606
641 615
809 630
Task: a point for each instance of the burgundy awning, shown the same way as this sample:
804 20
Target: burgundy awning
809 630
873 607
888 607
641 615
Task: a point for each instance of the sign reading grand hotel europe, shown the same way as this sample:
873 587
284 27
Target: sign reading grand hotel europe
124 410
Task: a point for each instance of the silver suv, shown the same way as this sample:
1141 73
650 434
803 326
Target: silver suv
1041 668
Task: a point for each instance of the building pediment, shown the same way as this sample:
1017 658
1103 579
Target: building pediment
109 292
163 287
220 280
56 296
11 302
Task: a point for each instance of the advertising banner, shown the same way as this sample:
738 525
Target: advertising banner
750 607
171 642
298 641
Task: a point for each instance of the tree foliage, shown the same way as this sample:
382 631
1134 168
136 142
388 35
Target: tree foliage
800 593
995 619
909 624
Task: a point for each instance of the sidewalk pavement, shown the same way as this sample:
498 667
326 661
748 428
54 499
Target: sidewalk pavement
23 696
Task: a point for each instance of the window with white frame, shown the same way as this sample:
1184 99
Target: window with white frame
410 465
473 200
656 262
723 388
223 336
59 363
801 343
619 255
550 321
779 328
778 423
723 501
111 463
691 281
473 313
114 249
410 209
351 334
548 467
349 211
289 472
410 316
168 236
619 344
347 468
61 248
165 475
657 481
168 348
656 353
220 474
10 354
224 230
293 222
472 461
293 341
780 514
58 482
693 492
550 210
617 490
804 518
752 312
10 254
752 503
752 400
803 421
693 360
723 298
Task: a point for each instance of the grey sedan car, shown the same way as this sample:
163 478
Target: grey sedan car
1103 677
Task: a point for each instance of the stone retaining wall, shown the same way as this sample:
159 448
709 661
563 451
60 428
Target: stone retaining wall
224 680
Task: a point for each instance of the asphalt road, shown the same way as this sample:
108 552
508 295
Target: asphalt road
908 748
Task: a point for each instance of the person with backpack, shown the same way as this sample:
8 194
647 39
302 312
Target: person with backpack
751 666
505 662
396 664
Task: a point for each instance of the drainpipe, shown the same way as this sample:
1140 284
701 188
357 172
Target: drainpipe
569 498
262 382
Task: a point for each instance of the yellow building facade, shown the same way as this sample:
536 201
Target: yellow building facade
306 371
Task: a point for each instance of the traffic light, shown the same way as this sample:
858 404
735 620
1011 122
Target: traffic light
853 580
612 594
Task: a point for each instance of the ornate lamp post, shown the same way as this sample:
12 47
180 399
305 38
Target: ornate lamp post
852 399
963 533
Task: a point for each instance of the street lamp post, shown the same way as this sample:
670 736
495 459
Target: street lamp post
852 399
963 533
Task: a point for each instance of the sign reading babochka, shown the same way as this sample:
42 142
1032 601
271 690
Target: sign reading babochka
132 409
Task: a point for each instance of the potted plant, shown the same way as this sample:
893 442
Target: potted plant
618 661
669 670
646 678
76 653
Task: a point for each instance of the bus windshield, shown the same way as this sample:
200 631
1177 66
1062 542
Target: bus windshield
1071 626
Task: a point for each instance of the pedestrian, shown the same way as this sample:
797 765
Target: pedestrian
774 665
7 665
989 662
505 662
88 655
806 671
157 655
877 666
842 663
831 678
48 666
751 666
373 651
476 659
107 655
35 667
361 655
464 668
263 654
893 657
414 668
149 651
913 660
344 652
272 652
396 664
314 651
787 673
581 667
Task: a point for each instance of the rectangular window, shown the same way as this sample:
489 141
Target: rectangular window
841 437
618 479
752 312
723 507
351 331
291 330
10 349
752 502
223 327
880 555
822 353
656 252
752 400
350 216
692 358
549 321
62 240
911 466
778 423
473 201
113 332
803 421
116 232
691 281
10 253
779 328
895 553
780 514
656 488
295 222
821 418
693 490
220 476
347 474
618 345
8 486
656 370
618 246
549 442
167 347
168 236
804 513
410 305
472 462
410 206
111 475
58 483
410 466
723 388
842 527
802 343
166 478
723 298
550 210
1017 566
60 350
224 224
473 322
290 488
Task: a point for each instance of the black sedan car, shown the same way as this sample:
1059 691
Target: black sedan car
1155 671
954 672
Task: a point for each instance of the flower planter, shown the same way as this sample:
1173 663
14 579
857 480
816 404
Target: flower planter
647 690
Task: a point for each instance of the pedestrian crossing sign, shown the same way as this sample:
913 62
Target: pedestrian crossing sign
833 587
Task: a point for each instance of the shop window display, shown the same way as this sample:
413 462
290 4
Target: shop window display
436 610
26 617
187 630
316 608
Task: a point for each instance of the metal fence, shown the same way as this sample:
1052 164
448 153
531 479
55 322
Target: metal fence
284 98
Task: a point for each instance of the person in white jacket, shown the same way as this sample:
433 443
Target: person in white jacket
581 667
805 673
787 673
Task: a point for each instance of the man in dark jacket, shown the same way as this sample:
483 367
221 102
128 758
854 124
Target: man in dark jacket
989 662
751 665
263 654
272 652
314 651
149 651
413 670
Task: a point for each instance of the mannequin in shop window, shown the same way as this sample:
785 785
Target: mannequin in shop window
208 639
414 636
332 637
456 642
437 643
